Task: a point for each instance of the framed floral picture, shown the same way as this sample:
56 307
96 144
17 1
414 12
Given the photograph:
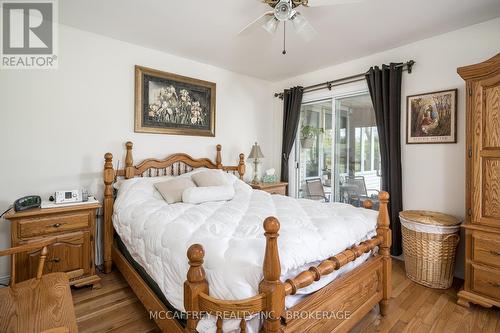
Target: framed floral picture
168 103
432 117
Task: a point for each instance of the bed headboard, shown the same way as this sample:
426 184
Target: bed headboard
174 165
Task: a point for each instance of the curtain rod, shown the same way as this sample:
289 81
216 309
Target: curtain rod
407 66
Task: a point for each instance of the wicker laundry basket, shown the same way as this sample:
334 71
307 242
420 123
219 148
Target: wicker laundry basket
429 244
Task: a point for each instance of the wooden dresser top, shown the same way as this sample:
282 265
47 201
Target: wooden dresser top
12 215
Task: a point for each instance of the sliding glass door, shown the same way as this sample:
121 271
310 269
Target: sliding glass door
337 150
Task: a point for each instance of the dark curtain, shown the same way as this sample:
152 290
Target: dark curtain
385 90
292 100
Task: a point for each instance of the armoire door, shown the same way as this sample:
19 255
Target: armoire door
485 151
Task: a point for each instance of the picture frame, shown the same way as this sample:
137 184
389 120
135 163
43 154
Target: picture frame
432 117
167 103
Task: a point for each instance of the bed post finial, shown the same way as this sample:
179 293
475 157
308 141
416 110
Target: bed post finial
271 284
218 157
109 177
196 283
241 166
108 161
384 231
129 161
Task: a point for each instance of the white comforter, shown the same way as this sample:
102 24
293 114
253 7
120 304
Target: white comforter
158 234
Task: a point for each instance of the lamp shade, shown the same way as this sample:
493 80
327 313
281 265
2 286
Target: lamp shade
256 152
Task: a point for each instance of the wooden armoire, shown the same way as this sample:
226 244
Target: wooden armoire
482 224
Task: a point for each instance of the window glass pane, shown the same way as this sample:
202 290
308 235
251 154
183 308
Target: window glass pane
314 142
342 156
376 152
357 145
367 149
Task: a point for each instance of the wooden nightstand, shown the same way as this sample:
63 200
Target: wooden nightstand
273 188
73 228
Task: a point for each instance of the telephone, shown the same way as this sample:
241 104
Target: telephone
28 202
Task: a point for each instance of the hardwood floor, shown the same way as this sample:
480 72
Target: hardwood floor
413 308
113 308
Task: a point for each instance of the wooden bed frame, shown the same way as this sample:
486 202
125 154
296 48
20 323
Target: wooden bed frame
337 307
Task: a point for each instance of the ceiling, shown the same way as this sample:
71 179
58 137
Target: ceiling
207 31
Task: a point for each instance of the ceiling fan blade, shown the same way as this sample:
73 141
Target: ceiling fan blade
261 20
302 27
318 3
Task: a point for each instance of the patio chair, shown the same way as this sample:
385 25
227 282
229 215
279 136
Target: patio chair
315 190
356 191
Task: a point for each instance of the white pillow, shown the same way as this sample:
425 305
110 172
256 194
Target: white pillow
172 189
210 178
196 195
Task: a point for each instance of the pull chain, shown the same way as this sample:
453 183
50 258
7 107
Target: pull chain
284 38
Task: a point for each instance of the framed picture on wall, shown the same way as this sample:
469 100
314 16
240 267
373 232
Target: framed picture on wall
432 117
168 103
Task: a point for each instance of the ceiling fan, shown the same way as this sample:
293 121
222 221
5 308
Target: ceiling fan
286 11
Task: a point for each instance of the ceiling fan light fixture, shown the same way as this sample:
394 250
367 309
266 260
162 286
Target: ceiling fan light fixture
283 10
302 27
271 26
299 22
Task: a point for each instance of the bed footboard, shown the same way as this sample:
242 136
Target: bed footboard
354 294
341 304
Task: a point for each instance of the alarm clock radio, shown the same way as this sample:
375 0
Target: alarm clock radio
28 202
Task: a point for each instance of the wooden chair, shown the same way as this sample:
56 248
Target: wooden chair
315 190
41 304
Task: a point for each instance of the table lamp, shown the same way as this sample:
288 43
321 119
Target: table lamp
256 153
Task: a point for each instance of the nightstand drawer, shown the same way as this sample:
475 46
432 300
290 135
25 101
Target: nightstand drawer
486 281
39 226
486 249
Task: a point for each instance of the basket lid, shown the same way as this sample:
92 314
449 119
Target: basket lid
430 218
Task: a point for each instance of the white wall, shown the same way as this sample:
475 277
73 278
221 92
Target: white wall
56 125
433 175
